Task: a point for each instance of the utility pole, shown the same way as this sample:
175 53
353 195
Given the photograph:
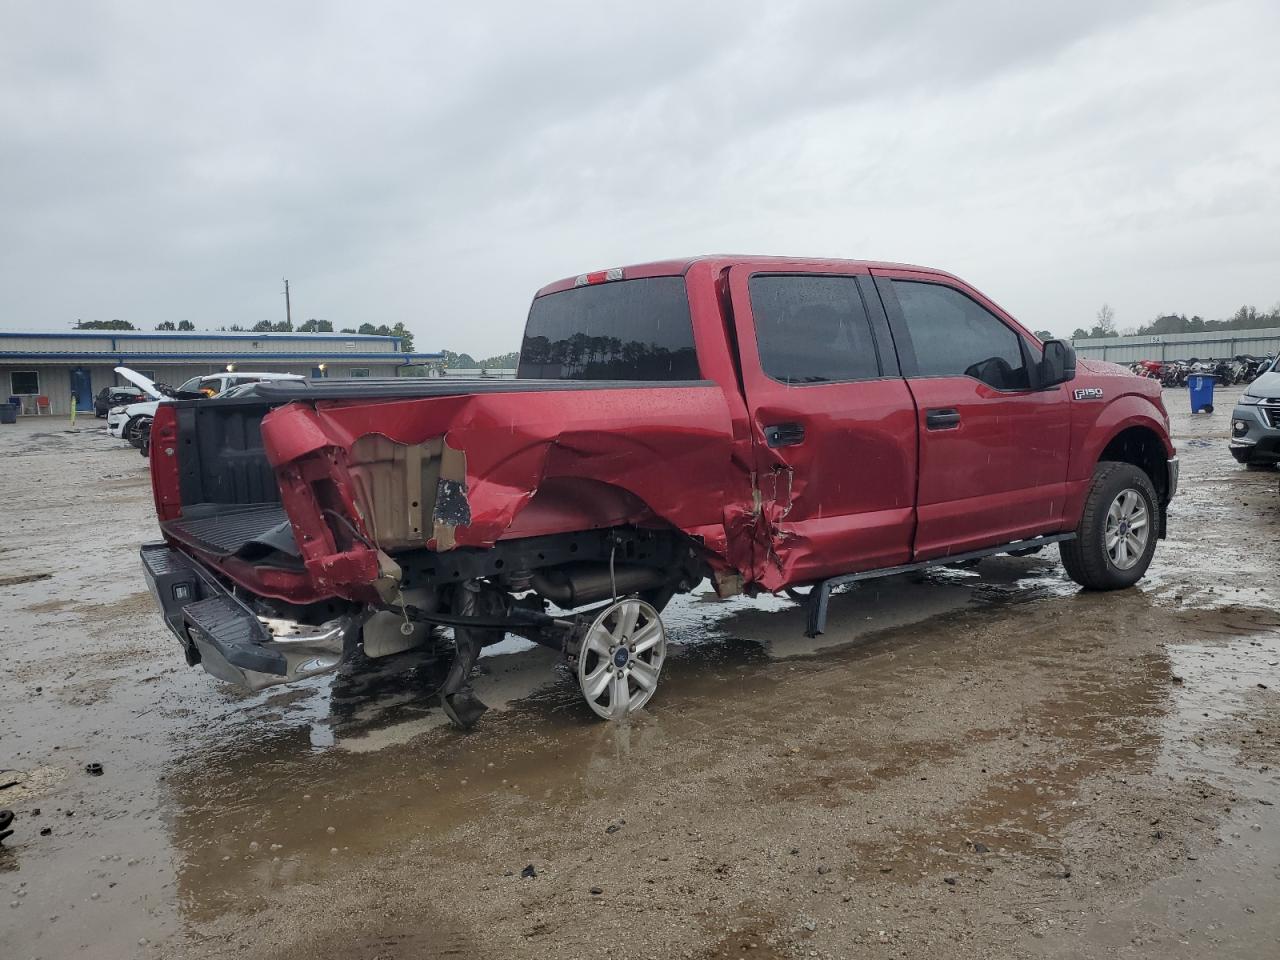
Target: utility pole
288 310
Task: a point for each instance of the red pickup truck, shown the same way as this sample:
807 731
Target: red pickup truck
767 423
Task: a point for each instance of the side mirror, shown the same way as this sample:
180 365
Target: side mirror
1058 364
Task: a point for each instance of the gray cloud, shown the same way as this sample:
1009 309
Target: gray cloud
401 162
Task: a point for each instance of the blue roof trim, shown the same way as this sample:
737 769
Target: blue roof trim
120 357
212 335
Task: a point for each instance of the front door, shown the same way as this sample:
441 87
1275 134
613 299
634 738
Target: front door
993 448
833 424
82 389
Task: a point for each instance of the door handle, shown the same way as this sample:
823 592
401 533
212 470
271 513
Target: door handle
784 434
943 418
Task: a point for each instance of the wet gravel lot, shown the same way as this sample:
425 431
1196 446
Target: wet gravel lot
988 763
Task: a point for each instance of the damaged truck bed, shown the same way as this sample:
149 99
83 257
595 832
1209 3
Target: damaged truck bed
764 423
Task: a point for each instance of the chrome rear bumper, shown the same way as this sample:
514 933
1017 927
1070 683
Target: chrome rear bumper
226 638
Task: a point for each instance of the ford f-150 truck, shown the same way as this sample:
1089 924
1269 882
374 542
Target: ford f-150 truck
769 424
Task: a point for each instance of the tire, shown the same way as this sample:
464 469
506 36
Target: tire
1259 465
136 431
1086 558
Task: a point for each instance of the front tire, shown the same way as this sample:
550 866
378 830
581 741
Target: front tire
137 430
1117 534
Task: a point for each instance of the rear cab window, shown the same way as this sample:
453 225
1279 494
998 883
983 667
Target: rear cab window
619 330
812 329
955 336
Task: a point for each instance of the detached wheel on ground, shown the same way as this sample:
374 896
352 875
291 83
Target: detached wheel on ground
1117 534
621 657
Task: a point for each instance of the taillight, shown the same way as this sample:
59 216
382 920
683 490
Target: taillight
165 486
600 276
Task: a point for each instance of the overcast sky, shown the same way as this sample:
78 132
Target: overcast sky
436 163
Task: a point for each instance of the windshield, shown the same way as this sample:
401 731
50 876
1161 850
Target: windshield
621 330
147 385
191 386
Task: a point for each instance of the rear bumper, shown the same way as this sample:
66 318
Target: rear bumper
219 632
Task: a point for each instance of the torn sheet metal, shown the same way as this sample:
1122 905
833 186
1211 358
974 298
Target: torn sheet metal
467 471
452 508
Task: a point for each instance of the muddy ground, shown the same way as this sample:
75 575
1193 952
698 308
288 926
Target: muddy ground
987 764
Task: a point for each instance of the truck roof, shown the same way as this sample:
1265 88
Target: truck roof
680 266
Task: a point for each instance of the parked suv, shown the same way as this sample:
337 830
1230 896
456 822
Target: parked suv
1255 423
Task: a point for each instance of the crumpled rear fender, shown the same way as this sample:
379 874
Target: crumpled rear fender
441 472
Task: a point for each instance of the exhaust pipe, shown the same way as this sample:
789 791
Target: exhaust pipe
578 584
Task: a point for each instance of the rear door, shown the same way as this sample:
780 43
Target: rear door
833 423
993 448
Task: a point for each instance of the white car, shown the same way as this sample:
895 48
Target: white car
132 422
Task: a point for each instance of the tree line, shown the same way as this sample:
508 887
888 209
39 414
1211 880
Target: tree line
1246 318
266 326
464 361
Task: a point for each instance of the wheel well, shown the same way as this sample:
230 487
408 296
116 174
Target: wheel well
1141 447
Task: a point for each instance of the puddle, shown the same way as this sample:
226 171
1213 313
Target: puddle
1217 681
1000 707
1225 905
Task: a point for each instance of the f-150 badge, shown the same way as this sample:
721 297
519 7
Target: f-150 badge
1089 393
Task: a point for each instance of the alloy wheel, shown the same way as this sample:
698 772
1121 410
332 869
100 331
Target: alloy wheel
1128 529
621 658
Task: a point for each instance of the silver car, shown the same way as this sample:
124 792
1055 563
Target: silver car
1255 422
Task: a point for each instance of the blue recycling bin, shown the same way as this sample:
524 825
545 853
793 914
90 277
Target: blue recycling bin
1200 386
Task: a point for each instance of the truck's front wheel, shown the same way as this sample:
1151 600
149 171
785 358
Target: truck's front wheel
1117 534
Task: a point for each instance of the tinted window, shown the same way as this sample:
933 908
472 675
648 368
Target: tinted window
24 382
620 330
954 336
812 329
